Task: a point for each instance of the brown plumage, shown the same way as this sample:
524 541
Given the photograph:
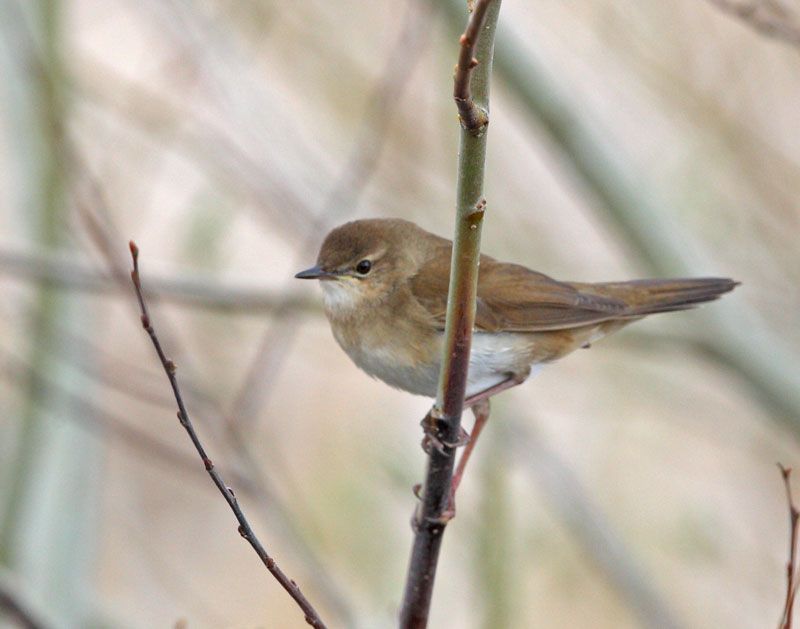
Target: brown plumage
390 318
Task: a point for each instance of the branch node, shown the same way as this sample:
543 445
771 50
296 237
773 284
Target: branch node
473 118
475 217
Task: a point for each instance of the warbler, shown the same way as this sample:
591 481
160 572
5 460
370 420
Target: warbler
385 284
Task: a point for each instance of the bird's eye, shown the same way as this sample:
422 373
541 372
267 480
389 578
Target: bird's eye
363 267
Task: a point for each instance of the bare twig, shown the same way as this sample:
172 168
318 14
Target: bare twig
791 566
471 94
768 17
245 530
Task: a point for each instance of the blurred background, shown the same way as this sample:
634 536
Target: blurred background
631 485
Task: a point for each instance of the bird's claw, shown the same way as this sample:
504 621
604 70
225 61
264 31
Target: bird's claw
432 440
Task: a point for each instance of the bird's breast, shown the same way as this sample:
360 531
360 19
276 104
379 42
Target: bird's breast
399 353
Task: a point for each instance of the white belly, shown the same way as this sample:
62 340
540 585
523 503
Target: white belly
494 356
492 360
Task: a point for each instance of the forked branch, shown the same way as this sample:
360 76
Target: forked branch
245 530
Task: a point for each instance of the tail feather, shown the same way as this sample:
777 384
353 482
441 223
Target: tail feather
645 297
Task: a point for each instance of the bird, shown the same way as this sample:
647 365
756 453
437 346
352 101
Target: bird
385 283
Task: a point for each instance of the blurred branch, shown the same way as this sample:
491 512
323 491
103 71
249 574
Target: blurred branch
791 566
768 17
709 349
15 606
311 616
344 197
223 154
471 93
590 527
93 417
198 292
735 332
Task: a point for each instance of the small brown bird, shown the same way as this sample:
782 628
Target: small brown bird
385 285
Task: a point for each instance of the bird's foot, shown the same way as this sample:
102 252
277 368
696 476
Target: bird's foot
433 436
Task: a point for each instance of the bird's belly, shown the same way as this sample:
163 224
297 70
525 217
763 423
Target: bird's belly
495 357
398 368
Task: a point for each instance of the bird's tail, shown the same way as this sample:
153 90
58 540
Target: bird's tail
645 297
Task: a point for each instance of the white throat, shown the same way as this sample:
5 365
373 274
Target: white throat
340 297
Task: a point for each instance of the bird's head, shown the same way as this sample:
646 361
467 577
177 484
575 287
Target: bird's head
362 262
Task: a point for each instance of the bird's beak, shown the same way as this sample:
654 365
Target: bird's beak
315 273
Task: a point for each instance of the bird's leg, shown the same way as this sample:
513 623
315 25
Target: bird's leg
481 409
506 384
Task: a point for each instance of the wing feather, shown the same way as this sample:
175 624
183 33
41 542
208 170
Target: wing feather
512 298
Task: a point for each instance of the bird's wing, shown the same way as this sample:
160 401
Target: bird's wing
512 298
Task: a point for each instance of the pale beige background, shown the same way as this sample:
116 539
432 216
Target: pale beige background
211 132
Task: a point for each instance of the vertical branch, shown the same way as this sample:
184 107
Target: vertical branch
791 566
471 94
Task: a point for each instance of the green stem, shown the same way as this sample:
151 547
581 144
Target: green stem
472 99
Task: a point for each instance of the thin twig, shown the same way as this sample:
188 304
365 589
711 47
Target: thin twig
471 93
791 566
245 530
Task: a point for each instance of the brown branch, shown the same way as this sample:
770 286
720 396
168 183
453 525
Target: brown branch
472 116
245 530
791 566
471 93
